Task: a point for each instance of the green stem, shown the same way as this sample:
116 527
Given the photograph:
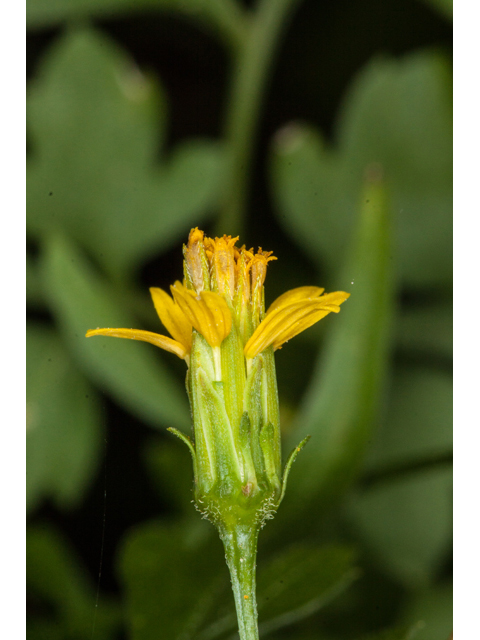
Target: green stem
240 543
252 66
228 17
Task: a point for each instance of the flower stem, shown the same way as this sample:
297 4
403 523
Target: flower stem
240 543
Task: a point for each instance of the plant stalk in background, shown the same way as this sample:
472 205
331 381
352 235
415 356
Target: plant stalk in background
218 325
252 61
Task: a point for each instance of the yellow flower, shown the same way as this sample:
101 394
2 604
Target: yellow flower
224 285
290 314
217 322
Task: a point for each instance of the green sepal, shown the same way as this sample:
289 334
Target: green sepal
253 406
201 357
189 444
233 376
245 440
270 408
188 388
291 459
206 454
252 394
268 445
218 388
186 275
212 413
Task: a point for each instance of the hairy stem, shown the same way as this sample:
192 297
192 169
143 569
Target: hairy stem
240 543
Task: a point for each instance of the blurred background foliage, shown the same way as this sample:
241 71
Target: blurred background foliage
322 131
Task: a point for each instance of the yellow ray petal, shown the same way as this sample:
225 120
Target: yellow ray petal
208 313
295 295
172 317
220 312
144 336
308 319
274 323
335 298
288 320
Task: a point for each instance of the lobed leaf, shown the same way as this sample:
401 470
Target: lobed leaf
433 609
64 423
418 422
406 524
96 124
132 372
173 578
397 114
300 581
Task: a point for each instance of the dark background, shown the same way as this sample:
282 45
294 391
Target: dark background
326 43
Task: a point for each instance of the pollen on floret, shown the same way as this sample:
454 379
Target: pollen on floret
268 255
196 235
259 266
221 257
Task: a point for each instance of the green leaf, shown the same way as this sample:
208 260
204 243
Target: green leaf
418 423
64 423
173 577
394 633
407 524
398 114
341 403
310 193
300 581
427 329
56 580
34 290
433 608
397 633
96 124
131 372
170 467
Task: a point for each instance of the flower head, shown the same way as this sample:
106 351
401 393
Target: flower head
224 284
217 322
